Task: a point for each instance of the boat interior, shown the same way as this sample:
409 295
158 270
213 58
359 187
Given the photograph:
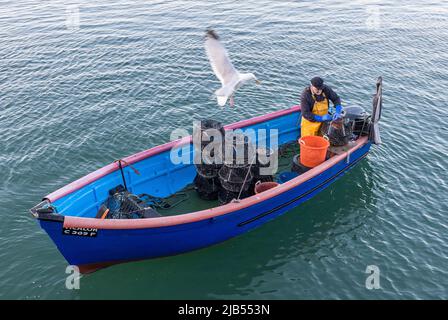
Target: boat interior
159 187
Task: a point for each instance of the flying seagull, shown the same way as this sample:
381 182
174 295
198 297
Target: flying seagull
224 70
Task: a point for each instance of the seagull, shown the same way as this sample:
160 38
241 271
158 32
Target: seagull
224 70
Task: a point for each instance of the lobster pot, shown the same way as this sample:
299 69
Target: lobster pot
206 170
236 174
207 188
339 132
210 124
235 178
240 152
225 196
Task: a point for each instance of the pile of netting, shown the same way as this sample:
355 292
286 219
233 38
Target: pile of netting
121 204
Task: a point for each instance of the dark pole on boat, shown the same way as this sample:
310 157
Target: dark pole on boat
122 174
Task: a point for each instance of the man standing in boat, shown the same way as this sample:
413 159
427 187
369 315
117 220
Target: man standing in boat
314 103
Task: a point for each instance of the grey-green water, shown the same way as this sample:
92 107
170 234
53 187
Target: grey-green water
73 100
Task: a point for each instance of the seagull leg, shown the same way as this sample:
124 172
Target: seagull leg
232 101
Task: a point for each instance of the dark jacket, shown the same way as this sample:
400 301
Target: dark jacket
307 101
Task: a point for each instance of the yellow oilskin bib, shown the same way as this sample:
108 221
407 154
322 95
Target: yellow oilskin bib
320 108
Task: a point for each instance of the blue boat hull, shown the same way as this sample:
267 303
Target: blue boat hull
111 246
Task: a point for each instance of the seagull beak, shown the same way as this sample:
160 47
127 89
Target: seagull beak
257 81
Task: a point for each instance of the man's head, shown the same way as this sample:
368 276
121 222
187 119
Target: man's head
317 83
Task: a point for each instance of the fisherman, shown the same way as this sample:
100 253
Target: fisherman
314 103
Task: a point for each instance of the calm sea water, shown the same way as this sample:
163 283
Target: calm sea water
73 99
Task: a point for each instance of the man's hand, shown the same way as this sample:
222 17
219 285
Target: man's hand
324 118
338 112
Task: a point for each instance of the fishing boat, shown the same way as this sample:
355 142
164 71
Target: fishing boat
70 215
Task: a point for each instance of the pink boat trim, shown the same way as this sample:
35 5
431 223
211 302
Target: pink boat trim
91 177
80 222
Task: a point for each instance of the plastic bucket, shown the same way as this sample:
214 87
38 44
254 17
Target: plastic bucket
264 186
313 150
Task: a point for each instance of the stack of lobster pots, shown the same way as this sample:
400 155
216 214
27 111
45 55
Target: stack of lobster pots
236 175
207 182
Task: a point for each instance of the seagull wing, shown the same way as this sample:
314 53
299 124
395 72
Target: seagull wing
219 59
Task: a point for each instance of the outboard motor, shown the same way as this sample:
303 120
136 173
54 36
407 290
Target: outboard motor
359 120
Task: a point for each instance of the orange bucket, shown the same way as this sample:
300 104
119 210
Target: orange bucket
313 150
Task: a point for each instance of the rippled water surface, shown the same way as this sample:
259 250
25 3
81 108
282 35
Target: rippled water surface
74 99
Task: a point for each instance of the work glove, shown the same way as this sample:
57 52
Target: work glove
338 114
324 118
